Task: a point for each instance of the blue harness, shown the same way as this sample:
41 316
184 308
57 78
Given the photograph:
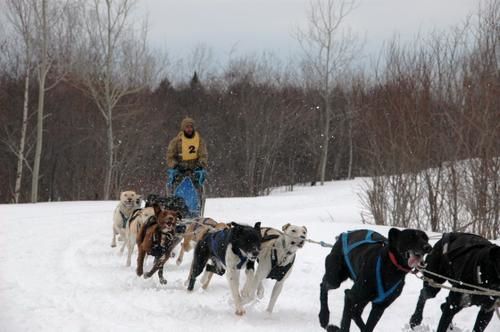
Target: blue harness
382 294
218 242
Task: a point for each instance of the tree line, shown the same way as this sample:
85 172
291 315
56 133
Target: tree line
87 108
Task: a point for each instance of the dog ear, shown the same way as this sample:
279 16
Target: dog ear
305 228
257 226
393 235
285 227
235 228
233 224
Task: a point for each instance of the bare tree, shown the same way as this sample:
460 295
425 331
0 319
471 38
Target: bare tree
43 67
50 23
328 49
20 15
115 63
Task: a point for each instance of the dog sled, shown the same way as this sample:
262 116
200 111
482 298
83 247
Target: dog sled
188 185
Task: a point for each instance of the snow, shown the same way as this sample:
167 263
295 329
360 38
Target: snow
58 271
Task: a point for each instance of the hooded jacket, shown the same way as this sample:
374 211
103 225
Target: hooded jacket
174 151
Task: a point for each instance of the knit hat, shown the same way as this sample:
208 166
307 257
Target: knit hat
187 121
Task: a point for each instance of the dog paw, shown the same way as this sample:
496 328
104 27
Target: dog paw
147 275
324 317
415 321
240 312
260 293
139 273
113 245
163 281
245 293
332 328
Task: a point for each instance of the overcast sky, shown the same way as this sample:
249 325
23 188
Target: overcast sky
253 26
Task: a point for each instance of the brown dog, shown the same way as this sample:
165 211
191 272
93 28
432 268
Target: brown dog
195 232
134 225
157 239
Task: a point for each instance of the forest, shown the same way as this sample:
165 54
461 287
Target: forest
87 108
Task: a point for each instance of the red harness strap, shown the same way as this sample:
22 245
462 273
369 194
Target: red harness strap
396 264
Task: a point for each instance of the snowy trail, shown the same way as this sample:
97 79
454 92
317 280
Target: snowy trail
58 272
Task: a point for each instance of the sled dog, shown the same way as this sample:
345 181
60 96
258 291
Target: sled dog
275 261
377 266
129 201
137 219
471 259
158 237
229 249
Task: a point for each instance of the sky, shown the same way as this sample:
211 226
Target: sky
255 26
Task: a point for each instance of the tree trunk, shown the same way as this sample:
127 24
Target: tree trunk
109 166
349 168
39 139
22 143
109 113
43 69
326 138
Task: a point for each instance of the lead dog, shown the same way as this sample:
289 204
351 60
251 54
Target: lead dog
195 232
129 201
158 238
229 249
378 268
133 227
275 261
468 258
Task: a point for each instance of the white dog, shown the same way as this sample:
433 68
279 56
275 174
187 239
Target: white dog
129 201
133 227
276 259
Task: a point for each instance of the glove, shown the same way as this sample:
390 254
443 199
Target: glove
200 174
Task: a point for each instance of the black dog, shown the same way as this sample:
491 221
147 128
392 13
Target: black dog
173 203
376 265
230 249
471 259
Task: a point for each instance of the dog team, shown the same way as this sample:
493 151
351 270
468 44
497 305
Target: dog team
376 265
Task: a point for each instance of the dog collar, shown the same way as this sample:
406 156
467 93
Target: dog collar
396 264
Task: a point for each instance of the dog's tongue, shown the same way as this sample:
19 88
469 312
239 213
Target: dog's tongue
414 261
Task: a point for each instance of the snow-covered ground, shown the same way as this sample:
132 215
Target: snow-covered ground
59 273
